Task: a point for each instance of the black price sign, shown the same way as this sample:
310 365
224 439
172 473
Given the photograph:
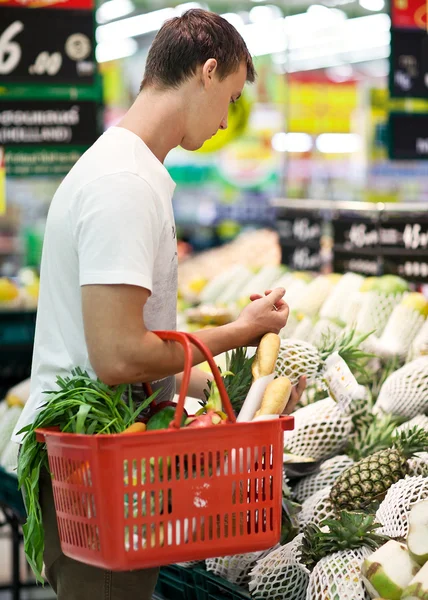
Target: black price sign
410 265
408 136
40 46
300 228
46 123
409 63
365 263
301 258
355 232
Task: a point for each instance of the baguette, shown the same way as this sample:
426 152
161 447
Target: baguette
266 355
276 397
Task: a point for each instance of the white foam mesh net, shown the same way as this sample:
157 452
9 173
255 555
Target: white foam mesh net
320 430
338 577
405 392
333 306
324 328
418 421
418 465
303 329
280 575
317 293
292 322
9 457
235 568
375 310
393 513
297 358
350 309
419 344
328 473
400 331
316 508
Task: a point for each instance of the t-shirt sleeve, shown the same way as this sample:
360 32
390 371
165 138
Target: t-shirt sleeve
117 231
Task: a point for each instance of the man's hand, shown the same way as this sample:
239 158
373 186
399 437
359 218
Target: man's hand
266 314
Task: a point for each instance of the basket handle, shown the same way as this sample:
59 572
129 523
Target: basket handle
186 339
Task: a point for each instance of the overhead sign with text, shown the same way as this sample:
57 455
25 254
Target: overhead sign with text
408 136
47 123
41 46
409 63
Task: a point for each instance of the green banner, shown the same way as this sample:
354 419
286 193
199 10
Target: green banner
24 161
50 92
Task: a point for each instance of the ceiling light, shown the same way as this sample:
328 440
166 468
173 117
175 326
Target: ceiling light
263 14
292 142
115 50
114 9
234 19
338 143
374 5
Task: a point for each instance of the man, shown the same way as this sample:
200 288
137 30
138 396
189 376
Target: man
109 265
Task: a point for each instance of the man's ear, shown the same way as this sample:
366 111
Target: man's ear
209 70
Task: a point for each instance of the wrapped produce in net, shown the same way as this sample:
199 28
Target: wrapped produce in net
320 430
292 322
400 331
9 457
394 510
375 310
236 568
350 310
405 392
316 508
418 465
338 576
420 421
303 329
324 328
317 292
280 574
333 306
297 358
419 345
328 473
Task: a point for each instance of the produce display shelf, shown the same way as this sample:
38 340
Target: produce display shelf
10 496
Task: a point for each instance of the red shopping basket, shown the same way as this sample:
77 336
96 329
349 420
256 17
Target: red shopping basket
142 500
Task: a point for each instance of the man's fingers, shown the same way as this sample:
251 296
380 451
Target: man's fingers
254 297
296 394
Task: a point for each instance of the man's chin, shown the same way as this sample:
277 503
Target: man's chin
191 146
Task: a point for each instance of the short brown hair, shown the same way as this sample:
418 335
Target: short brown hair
184 43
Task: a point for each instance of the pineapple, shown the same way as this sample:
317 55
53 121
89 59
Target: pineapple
328 473
297 357
347 531
320 430
236 568
333 306
405 392
373 435
316 508
393 513
368 480
335 551
280 574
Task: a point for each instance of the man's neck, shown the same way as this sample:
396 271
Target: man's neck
158 119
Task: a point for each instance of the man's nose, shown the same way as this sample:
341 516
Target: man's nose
223 124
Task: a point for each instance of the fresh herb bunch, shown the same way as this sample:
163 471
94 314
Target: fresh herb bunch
237 379
82 405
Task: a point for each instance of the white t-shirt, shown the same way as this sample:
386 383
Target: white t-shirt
110 222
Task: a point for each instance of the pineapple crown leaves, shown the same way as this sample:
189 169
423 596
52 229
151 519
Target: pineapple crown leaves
411 441
237 378
375 434
347 531
348 346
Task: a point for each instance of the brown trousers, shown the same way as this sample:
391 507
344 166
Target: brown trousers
73 580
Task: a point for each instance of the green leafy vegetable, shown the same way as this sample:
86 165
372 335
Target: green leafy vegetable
82 405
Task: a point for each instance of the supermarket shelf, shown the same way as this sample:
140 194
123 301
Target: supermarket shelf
332 205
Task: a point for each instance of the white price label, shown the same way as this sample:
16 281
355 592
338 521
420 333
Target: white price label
10 52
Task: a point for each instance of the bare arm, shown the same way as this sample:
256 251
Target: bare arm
121 349
198 383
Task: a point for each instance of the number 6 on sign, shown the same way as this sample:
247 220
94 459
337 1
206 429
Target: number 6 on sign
10 52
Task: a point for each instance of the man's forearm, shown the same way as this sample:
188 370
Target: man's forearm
148 358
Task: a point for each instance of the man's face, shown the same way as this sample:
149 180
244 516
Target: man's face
210 109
